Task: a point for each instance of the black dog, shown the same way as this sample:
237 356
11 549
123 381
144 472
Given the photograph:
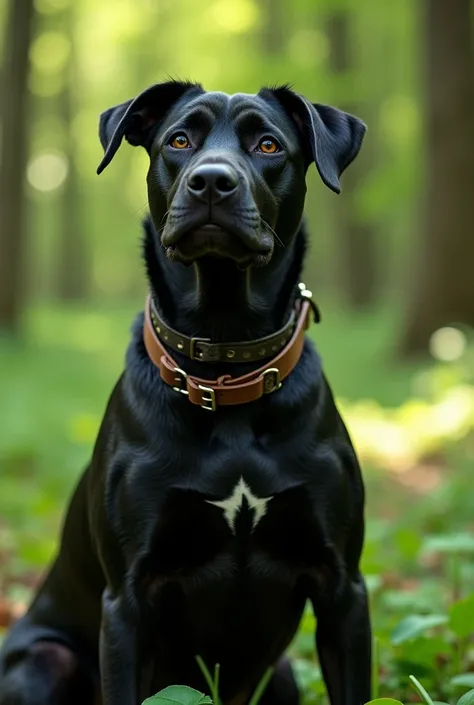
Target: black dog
207 520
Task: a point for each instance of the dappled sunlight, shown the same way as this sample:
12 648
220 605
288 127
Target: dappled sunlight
438 416
396 439
233 16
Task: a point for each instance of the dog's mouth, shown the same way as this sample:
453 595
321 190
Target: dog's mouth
212 240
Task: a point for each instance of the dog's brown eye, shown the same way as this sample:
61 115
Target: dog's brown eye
180 141
268 146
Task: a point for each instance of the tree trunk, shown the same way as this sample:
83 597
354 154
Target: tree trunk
73 256
273 31
356 248
443 290
14 153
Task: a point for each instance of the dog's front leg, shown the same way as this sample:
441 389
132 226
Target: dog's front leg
344 642
118 652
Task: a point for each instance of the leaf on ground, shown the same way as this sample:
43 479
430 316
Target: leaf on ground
178 695
467 698
416 624
449 543
463 680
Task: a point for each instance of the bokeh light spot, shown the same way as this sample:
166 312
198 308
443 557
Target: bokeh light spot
47 171
235 16
447 344
50 52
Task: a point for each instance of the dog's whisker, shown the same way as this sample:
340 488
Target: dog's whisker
278 239
138 210
162 221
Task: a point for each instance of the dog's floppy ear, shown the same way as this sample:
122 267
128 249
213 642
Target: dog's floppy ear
332 138
135 118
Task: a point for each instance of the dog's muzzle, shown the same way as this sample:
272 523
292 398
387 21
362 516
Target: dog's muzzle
214 213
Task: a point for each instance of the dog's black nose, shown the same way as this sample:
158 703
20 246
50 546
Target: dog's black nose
212 182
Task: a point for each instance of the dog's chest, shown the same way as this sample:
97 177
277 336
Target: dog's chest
224 522
242 500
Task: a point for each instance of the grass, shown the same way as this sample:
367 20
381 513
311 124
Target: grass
414 429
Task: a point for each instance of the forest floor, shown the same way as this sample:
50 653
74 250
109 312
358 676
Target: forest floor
413 427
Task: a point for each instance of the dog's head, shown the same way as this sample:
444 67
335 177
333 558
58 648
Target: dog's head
227 172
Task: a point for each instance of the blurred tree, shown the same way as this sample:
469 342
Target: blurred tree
72 257
272 29
356 252
443 291
15 118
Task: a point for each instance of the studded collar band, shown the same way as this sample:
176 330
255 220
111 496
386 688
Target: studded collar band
204 350
210 394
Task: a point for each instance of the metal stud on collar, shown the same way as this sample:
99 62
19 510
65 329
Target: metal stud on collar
308 295
305 293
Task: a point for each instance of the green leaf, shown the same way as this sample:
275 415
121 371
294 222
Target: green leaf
467 698
464 680
449 543
419 655
461 617
416 624
384 701
178 695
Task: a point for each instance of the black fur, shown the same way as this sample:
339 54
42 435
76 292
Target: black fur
151 571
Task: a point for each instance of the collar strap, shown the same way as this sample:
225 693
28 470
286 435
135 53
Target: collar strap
203 350
227 390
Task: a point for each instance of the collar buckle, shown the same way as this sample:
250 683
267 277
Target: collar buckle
193 353
271 380
181 381
208 403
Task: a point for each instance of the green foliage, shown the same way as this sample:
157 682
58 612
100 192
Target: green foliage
182 695
464 680
467 698
178 695
416 624
137 39
461 617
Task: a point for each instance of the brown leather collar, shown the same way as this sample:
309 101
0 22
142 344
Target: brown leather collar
228 390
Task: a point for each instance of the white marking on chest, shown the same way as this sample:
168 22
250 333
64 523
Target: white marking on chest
234 501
